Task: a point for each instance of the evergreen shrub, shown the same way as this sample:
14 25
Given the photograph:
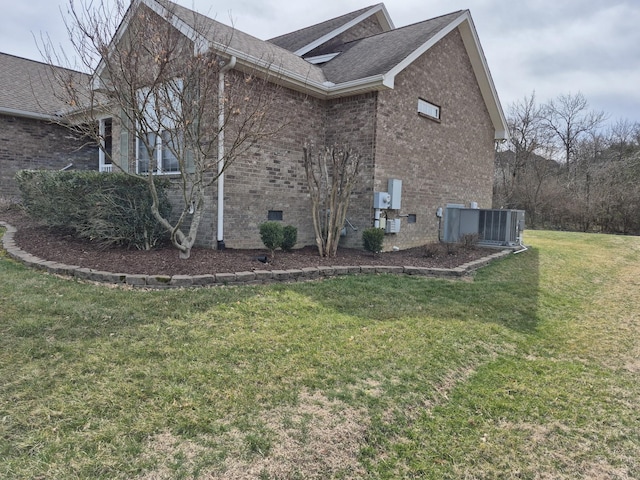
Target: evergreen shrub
108 209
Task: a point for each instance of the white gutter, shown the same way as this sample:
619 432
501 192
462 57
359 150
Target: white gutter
26 114
221 120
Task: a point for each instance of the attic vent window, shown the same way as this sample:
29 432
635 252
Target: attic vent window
322 58
428 109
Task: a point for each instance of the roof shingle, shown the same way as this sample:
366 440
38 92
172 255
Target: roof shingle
25 86
300 38
378 54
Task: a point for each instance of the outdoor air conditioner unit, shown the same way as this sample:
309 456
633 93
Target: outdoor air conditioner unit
492 227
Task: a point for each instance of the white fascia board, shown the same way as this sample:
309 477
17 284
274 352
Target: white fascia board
378 9
279 74
478 62
483 76
377 82
200 43
276 73
391 74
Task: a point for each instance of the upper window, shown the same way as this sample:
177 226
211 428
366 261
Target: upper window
163 153
159 147
428 109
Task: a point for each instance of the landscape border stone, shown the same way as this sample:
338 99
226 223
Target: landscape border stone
237 278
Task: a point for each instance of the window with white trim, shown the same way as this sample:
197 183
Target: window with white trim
428 109
158 149
162 148
106 144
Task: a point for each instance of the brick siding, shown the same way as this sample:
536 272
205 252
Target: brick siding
35 144
272 175
450 161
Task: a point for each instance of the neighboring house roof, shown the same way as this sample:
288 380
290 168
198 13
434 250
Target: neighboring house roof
367 64
306 39
26 89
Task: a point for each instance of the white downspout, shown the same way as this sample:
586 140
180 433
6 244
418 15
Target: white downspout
221 120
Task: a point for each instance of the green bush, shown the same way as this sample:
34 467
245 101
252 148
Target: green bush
275 236
289 238
272 235
373 239
109 209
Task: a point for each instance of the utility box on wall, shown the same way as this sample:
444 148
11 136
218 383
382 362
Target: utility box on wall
395 190
381 200
393 225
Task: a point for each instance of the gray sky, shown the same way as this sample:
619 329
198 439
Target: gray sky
552 47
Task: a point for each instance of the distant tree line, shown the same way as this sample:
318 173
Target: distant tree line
569 170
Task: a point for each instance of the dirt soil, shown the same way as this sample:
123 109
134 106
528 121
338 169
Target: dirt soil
67 249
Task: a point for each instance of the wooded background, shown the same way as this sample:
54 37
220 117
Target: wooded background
570 167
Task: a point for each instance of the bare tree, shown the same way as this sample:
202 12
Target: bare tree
526 137
332 172
569 119
568 172
190 114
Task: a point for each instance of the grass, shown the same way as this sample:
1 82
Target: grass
529 371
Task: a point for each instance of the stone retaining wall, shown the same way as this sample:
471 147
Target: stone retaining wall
238 278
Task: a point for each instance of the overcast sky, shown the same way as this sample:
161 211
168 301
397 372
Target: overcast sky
552 47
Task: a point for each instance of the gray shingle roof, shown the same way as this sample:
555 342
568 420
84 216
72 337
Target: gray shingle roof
300 38
366 64
25 87
378 54
237 42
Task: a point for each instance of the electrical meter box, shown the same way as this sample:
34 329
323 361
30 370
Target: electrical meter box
381 200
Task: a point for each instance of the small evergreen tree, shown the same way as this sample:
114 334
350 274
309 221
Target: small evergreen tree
289 238
373 239
271 234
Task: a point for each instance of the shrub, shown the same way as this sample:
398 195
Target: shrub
452 248
372 239
272 235
109 209
469 241
289 238
432 250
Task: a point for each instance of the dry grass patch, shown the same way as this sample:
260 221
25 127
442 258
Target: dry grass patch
558 451
317 439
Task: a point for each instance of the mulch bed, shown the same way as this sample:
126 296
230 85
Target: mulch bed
67 249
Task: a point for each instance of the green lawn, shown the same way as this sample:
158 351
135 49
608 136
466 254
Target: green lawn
532 370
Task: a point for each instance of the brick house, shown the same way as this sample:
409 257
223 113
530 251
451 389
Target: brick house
31 136
417 103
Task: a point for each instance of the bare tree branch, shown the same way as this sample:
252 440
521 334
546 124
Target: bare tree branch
165 87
